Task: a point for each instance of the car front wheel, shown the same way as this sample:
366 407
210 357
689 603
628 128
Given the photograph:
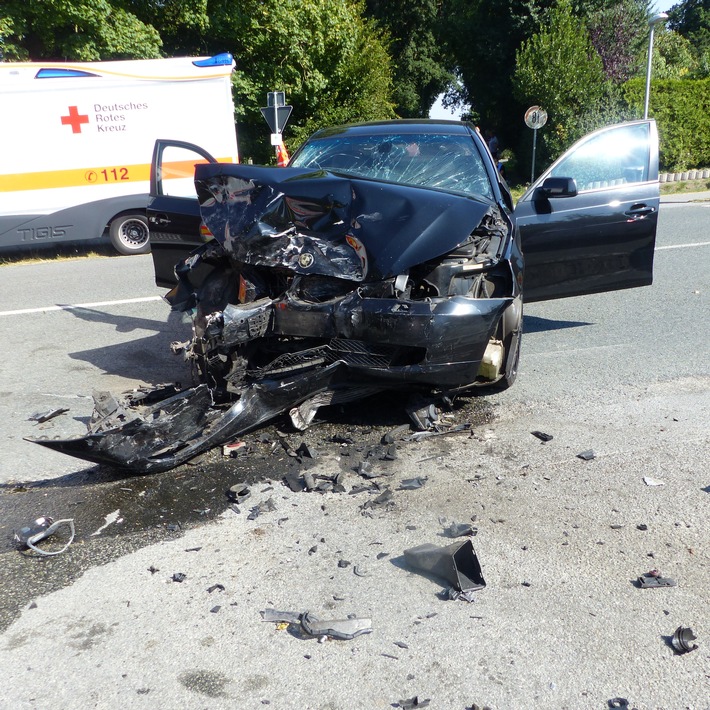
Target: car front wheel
129 234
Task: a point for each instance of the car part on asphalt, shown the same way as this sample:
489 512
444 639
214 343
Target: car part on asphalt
179 577
410 484
27 537
653 580
415 702
682 640
542 436
622 703
459 530
342 629
456 563
41 417
238 493
266 506
587 455
653 481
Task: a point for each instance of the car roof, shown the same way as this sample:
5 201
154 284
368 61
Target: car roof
397 126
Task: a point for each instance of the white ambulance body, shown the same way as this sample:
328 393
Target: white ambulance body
76 141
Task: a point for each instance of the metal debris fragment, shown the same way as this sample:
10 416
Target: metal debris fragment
179 577
460 530
42 528
542 436
682 640
587 455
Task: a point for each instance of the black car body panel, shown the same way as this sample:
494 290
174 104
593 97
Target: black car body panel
386 257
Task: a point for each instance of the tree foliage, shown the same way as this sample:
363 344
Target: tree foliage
80 30
559 69
421 67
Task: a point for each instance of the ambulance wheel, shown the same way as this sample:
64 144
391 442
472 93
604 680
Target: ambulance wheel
129 234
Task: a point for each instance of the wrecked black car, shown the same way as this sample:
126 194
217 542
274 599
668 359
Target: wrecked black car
385 256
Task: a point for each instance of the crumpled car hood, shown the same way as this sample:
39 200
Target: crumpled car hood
331 225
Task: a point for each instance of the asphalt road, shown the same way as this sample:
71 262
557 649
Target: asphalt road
560 540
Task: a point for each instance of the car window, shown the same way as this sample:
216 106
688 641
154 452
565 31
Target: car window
443 161
608 159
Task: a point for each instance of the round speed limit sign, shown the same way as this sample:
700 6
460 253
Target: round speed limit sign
535 117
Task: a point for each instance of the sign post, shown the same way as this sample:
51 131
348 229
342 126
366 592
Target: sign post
276 114
535 117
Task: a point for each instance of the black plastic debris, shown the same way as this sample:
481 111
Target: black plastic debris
263 507
587 455
618 703
456 563
27 537
179 577
238 493
41 417
383 501
401 644
215 587
460 530
305 450
411 484
653 580
343 563
423 416
360 571
215 609
414 702
295 482
682 640
342 629
457 596
542 436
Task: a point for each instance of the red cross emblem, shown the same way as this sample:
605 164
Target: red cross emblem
74 119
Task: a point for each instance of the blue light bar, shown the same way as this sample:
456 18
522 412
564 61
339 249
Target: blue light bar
219 60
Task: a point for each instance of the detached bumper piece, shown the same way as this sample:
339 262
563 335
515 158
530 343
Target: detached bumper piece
175 430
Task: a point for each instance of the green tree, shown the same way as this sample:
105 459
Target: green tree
559 69
330 60
691 19
421 67
80 30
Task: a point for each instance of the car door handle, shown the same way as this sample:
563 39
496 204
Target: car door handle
639 211
161 219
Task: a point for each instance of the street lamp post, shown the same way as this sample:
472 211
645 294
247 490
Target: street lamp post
655 20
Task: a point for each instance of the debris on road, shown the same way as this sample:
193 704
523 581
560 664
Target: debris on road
456 563
179 577
42 528
458 529
341 629
682 640
653 580
41 417
411 484
238 493
263 507
236 448
542 436
653 481
587 455
414 702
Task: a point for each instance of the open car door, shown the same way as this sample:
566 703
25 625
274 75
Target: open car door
588 224
173 211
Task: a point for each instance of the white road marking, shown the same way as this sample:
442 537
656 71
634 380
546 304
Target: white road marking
46 309
684 246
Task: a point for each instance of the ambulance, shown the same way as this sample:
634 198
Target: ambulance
76 142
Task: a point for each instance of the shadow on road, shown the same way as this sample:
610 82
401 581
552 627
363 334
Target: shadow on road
535 324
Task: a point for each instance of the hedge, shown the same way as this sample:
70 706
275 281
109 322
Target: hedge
681 108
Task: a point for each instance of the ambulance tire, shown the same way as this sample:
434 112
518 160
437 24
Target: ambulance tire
129 234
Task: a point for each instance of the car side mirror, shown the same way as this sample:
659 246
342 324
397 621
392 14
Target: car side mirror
556 187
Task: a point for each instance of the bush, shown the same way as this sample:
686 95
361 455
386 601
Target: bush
682 111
